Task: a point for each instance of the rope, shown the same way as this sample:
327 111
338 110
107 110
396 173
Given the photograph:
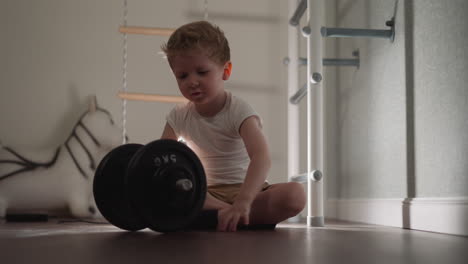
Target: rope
124 67
124 75
206 10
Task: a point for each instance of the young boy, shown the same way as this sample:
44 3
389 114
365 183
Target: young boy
225 133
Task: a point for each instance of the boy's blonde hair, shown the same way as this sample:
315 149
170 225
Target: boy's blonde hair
202 36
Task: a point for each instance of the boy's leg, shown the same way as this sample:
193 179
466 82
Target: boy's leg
208 217
211 203
278 203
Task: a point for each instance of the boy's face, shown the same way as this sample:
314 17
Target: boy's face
200 79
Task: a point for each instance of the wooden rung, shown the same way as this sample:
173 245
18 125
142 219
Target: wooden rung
152 97
146 30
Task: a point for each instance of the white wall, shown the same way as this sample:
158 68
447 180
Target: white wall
369 122
441 98
56 53
401 119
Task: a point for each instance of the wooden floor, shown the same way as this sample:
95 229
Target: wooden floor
338 242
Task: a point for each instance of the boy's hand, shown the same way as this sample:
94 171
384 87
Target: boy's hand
230 217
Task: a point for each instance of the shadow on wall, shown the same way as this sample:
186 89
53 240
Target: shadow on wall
31 184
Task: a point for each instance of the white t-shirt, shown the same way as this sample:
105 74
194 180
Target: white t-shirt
216 140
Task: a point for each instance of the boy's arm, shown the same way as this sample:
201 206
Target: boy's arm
260 162
168 133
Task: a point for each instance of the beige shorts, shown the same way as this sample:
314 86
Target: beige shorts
228 192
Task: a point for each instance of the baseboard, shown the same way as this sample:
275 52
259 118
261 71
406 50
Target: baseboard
387 212
443 215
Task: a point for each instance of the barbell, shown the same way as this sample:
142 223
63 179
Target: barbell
161 185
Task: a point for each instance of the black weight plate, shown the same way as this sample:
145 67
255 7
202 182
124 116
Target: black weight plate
109 188
151 177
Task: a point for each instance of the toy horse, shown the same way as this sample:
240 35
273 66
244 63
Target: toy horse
65 181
